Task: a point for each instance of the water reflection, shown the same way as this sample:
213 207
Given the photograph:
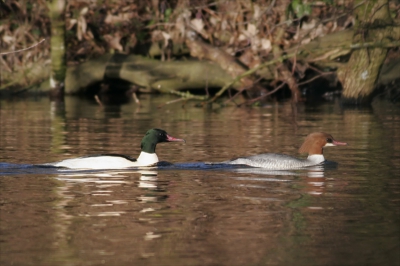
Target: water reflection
107 183
103 192
313 177
193 216
148 180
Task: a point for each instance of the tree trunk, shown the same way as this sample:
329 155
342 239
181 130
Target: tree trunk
360 74
58 57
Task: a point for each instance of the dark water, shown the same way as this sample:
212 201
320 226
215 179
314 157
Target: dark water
349 215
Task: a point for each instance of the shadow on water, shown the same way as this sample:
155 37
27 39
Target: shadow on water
314 171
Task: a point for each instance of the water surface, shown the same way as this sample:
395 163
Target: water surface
348 215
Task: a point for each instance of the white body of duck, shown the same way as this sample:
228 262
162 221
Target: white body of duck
147 157
313 145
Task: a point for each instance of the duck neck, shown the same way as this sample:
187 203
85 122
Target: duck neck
316 158
315 150
146 158
148 154
148 146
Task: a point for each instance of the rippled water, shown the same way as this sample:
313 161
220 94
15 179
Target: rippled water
347 215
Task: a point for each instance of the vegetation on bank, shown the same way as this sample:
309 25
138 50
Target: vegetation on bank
258 48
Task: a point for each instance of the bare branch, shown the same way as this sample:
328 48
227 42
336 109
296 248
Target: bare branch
21 50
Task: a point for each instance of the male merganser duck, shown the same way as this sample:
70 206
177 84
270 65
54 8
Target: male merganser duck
147 157
313 145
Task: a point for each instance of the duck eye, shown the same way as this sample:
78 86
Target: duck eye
329 140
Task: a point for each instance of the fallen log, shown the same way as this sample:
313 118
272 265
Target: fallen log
173 76
146 73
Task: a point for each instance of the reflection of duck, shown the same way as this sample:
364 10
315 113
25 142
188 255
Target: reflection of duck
313 145
148 179
151 187
147 156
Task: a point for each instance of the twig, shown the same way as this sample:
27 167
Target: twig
315 69
263 96
354 46
311 79
96 97
269 8
375 45
249 72
295 59
188 95
239 92
173 101
206 88
234 96
184 97
284 57
134 96
24 49
344 14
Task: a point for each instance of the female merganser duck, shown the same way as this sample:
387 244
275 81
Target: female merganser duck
147 157
313 145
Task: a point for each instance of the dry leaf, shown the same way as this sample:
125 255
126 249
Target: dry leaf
251 30
113 41
81 24
121 17
8 39
71 23
84 11
266 44
197 24
166 38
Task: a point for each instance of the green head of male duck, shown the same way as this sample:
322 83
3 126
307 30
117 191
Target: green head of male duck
154 136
